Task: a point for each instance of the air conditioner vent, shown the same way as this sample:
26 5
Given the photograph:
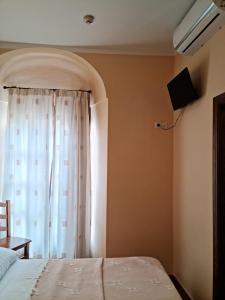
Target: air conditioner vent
201 32
198 26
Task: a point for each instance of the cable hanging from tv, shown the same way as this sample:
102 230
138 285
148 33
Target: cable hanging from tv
171 126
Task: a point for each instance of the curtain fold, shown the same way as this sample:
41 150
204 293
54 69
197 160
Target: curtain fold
47 170
70 219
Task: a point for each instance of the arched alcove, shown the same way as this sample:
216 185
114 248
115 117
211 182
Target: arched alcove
54 68
50 68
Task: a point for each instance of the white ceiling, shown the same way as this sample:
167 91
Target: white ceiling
121 26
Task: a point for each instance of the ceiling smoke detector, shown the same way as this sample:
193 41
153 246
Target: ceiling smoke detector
88 19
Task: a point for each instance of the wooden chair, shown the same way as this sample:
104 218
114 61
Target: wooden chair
13 243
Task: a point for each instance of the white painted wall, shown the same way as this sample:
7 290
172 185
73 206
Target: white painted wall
99 149
50 68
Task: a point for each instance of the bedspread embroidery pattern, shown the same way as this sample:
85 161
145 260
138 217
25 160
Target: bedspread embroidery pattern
105 279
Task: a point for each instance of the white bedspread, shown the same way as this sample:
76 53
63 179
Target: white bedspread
20 279
137 278
133 278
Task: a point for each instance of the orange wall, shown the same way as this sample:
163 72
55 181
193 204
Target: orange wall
193 238
139 220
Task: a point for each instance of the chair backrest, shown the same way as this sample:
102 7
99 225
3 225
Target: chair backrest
6 217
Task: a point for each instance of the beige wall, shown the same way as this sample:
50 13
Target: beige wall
193 239
139 220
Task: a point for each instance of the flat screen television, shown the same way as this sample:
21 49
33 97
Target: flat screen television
181 90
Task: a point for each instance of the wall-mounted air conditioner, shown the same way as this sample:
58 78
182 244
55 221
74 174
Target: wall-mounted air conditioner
203 19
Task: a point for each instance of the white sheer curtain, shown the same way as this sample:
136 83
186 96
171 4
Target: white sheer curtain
70 208
47 170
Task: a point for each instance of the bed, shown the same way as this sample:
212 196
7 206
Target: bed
133 278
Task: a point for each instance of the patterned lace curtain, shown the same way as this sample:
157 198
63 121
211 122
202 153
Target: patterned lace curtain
47 171
70 208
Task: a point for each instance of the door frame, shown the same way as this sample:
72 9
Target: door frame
219 197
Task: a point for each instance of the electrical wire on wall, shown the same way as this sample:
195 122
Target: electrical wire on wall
175 123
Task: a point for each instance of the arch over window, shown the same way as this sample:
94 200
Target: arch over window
50 68
55 68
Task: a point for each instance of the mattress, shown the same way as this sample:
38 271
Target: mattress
133 278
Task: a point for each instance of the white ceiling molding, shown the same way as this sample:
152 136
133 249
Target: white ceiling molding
100 50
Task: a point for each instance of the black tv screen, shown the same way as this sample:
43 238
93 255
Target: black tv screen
181 90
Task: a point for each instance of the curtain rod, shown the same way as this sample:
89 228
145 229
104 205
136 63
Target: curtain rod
17 87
